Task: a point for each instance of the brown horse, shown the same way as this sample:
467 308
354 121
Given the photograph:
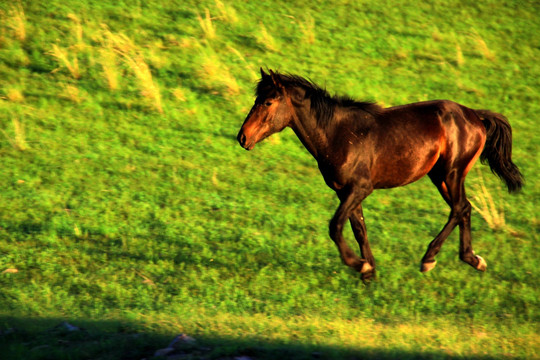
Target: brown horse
360 147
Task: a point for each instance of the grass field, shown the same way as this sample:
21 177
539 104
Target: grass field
127 207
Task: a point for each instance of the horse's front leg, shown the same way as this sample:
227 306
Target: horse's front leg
350 200
360 233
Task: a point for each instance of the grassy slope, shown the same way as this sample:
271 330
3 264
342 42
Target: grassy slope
116 213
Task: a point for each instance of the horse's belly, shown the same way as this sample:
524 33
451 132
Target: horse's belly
403 170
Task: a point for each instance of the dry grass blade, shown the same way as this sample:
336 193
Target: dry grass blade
72 93
253 73
110 70
119 42
62 57
207 25
227 13
179 94
307 27
460 60
217 76
484 204
121 45
78 29
264 38
146 83
19 140
482 46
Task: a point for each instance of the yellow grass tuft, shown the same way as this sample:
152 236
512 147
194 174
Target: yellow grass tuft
108 61
121 45
112 44
252 72
146 83
14 95
117 41
485 205
18 141
436 35
179 94
63 58
72 93
188 43
17 21
307 28
78 29
402 54
482 46
215 75
266 39
460 60
207 25
227 13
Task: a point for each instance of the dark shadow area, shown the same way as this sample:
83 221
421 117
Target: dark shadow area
34 338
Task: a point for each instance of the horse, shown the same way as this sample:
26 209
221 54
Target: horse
360 147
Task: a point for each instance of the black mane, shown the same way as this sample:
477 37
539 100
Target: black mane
322 103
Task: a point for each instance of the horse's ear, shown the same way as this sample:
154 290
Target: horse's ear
263 74
277 81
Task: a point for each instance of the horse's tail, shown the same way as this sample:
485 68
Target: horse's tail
498 149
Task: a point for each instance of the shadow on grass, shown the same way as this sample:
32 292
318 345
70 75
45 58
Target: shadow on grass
31 338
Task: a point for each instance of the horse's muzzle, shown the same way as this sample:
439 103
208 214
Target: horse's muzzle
242 139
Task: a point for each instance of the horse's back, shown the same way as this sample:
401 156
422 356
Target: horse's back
434 111
413 138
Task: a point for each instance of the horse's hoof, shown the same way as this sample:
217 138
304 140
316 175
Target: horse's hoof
368 276
366 268
482 265
427 266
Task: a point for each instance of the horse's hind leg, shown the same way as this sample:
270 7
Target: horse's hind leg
466 252
359 229
452 190
437 176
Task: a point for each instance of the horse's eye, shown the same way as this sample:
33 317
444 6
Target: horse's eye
268 103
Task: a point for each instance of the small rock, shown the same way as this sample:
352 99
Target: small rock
182 339
67 326
164 352
8 331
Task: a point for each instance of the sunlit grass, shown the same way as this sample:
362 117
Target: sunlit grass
127 197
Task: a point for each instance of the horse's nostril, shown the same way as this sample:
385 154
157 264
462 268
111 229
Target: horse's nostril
242 139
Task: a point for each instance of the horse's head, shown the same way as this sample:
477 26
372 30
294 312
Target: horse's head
271 113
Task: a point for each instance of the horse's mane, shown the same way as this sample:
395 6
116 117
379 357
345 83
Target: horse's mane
322 103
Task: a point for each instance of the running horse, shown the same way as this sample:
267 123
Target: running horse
360 147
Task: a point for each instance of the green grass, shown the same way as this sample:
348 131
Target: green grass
128 208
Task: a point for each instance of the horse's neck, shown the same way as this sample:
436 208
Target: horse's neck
312 136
